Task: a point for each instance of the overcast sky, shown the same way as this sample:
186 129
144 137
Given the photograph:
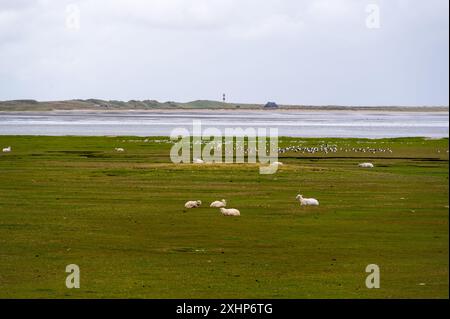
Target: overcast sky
290 51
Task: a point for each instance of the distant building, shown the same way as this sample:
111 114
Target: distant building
271 105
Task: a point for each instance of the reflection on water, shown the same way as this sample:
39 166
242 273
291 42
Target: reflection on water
371 124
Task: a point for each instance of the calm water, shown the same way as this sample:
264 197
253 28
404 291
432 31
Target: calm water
293 123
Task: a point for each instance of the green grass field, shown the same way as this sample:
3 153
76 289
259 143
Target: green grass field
120 217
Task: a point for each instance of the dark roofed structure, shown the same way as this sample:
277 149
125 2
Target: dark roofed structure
271 105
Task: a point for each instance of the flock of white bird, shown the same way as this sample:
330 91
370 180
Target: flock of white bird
325 148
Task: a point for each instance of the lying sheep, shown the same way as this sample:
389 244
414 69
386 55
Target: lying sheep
366 165
307 201
193 204
219 204
7 149
230 212
198 161
119 149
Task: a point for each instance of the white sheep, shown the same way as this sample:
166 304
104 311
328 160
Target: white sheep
230 212
119 149
7 149
198 161
277 163
307 201
193 204
366 165
219 204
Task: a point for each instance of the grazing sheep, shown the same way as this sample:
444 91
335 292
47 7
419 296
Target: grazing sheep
119 149
193 204
7 149
230 212
366 165
198 161
219 204
307 201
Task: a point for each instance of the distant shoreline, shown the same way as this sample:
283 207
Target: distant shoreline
94 105
192 110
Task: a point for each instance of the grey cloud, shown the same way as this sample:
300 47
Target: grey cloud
312 52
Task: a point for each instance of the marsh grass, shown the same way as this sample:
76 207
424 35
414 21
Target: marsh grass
120 217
